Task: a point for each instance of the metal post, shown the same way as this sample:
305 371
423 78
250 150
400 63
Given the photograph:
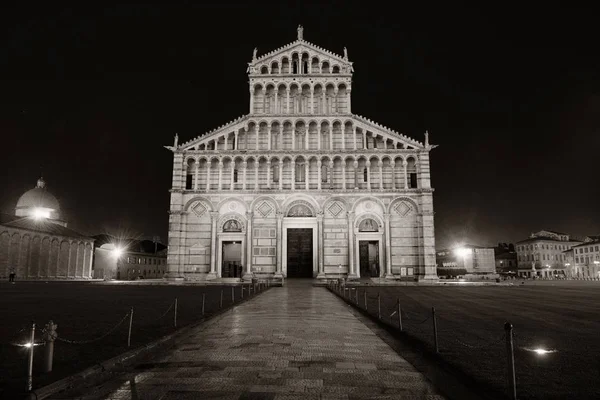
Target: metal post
175 314
242 291
30 364
221 302
49 337
130 325
378 305
232 294
203 300
510 353
366 308
356 296
399 315
435 336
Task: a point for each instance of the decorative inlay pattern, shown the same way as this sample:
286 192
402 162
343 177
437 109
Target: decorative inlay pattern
335 209
369 205
232 205
265 209
199 209
300 208
403 208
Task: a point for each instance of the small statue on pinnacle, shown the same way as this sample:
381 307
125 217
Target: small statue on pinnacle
426 138
254 53
300 32
176 140
345 53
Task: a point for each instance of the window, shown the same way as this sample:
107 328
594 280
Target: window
365 175
300 173
188 181
235 175
324 173
413 180
275 173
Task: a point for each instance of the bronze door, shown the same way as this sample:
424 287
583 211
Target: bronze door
299 253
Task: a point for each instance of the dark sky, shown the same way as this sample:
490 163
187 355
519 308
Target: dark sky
90 96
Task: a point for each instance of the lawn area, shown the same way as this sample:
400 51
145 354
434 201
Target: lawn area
561 316
85 311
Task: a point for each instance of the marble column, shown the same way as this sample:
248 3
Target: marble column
220 175
352 273
256 168
278 273
248 272
405 165
214 216
244 172
293 175
196 173
368 165
306 174
343 137
251 101
269 133
356 175
231 176
312 100
269 174
344 174
330 171
348 100
364 135
319 134
380 164
330 137
388 247
354 137
236 141
257 137
320 246
319 173
393 166
287 101
280 174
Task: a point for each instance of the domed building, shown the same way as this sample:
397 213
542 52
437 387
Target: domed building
36 244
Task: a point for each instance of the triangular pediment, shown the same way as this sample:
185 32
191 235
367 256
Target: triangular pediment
300 46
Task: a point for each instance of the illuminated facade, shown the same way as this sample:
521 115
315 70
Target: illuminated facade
301 186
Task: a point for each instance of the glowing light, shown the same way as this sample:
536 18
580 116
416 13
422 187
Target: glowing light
541 351
40 213
462 251
117 252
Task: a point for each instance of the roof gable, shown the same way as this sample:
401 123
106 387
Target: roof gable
299 45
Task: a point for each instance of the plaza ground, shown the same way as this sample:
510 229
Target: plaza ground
561 316
85 311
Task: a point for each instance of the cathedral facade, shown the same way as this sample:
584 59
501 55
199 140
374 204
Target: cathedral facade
301 186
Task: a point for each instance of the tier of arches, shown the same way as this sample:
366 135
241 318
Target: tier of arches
44 257
300 135
299 63
300 98
301 173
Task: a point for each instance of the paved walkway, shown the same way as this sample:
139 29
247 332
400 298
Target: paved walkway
294 342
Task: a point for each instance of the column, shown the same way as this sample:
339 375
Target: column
287 101
355 175
257 133
216 149
319 134
330 137
320 246
293 174
352 273
208 166
354 136
319 163
251 101
368 165
312 100
388 247
236 140
280 138
256 165
343 137
324 105
220 175
393 166
280 174
196 173
349 110
330 171
232 175
364 134
225 140
344 174
214 215
306 171
269 174
269 133
380 175
279 242
293 138
247 276
247 133
276 101
335 102
244 169
404 165
306 139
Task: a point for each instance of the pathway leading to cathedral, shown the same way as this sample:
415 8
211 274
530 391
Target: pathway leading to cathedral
292 342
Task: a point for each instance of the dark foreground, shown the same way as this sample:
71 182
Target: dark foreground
563 317
85 312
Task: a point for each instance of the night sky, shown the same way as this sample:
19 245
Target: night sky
89 97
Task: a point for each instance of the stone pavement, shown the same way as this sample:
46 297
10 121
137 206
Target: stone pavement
292 342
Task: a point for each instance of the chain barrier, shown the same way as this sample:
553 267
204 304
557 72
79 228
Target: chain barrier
164 314
111 330
479 347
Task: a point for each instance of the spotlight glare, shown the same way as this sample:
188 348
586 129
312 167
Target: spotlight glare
40 213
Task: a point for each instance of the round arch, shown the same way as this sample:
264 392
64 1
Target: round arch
368 198
404 210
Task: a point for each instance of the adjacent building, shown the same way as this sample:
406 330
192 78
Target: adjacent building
301 186
544 254
467 261
585 259
36 243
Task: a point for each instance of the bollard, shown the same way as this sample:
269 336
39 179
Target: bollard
378 306
175 314
203 300
435 336
130 325
510 353
399 315
232 294
30 364
242 291
365 293
221 301
356 296
49 337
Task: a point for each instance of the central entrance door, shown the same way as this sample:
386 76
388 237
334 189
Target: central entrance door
300 253
232 260
369 258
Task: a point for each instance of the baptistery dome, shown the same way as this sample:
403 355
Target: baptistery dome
39 203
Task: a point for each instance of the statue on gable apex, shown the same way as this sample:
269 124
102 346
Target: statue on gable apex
254 54
176 140
300 32
426 138
345 53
